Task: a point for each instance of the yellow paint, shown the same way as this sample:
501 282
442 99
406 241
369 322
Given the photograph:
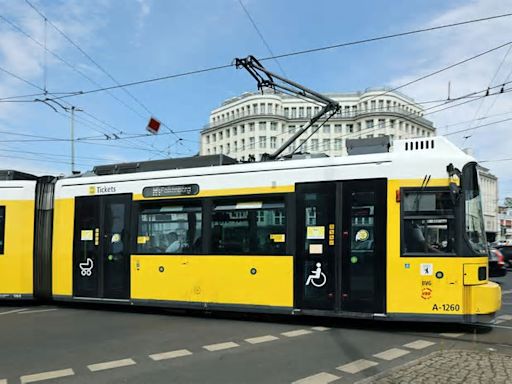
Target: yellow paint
142 239
62 256
482 299
16 263
410 292
214 279
227 192
471 272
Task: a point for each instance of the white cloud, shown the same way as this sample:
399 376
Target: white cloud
446 47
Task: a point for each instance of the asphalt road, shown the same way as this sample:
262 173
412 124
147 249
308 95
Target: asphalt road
68 344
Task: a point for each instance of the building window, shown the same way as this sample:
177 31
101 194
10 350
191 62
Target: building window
262 126
221 149
382 123
242 129
326 144
214 137
235 144
327 128
372 105
251 142
227 133
337 144
294 112
207 139
381 105
249 227
291 129
220 136
234 131
262 108
171 229
228 147
308 111
314 144
273 142
214 150
286 112
273 126
350 128
369 124
263 142
338 128
255 109
301 111
243 144
251 127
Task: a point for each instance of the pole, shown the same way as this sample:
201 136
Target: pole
72 140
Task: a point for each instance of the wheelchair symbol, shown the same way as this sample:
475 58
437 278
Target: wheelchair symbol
317 277
86 268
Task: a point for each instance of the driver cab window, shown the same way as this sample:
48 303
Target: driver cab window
428 223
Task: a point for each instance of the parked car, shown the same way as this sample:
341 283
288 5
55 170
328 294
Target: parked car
506 250
497 266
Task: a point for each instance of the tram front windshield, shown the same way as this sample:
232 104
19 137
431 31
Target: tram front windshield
474 222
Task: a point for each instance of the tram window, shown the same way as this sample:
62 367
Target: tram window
249 227
169 229
2 229
428 223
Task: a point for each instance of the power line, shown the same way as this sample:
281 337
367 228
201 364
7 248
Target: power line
261 36
476 127
295 53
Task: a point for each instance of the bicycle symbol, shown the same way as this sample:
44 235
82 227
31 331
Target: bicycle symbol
86 268
317 277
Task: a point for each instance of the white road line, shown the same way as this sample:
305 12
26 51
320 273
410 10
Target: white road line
504 317
37 311
357 366
111 364
500 326
13 311
220 346
46 376
319 378
499 321
419 344
3 381
391 354
298 332
261 339
170 355
320 329
453 335
507 292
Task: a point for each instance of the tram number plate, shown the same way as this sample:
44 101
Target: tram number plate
446 307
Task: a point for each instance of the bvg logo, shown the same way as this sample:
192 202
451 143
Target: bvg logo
92 190
101 190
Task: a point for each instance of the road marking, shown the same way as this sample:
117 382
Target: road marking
451 334
45 376
13 311
391 354
500 326
170 355
357 366
111 364
504 317
3 381
298 332
499 321
319 378
320 329
37 311
261 339
507 292
220 346
419 344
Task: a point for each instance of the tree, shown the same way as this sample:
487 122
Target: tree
508 202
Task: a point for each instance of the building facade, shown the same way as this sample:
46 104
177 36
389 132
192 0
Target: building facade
256 123
505 218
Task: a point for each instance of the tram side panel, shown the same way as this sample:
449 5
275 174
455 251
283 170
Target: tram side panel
431 285
62 251
16 239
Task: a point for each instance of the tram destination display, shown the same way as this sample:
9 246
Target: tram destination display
171 190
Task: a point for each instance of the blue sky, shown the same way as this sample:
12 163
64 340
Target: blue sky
136 40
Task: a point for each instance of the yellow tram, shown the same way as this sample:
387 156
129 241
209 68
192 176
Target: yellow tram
396 235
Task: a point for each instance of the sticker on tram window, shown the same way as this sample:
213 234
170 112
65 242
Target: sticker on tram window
316 249
171 190
142 239
278 237
316 233
86 234
362 235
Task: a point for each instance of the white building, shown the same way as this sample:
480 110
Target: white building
489 190
256 123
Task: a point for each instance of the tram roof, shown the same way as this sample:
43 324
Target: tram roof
9 174
433 151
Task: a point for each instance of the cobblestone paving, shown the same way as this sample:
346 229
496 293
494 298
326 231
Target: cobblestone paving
455 366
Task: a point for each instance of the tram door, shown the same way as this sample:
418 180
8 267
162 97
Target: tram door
101 256
341 246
